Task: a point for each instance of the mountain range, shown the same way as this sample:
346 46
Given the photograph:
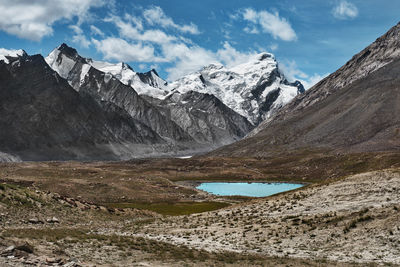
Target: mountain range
355 109
66 107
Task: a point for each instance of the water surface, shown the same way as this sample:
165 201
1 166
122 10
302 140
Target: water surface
247 189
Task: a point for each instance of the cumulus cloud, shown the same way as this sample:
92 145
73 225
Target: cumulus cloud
145 43
120 50
312 80
270 23
96 31
79 38
345 10
133 32
274 47
192 58
252 30
292 73
156 16
230 57
33 20
186 59
138 22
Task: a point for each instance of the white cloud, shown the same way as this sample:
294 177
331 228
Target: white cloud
270 23
96 31
142 45
33 20
120 50
345 10
129 31
156 16
79 37
313 80
252 30
135 20
292 73
250 15
191 59
274 47
186 59
230 57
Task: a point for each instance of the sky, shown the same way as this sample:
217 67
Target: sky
309 38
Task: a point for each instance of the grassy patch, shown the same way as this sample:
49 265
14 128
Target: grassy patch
174 209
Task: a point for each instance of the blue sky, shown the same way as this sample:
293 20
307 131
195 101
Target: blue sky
309 38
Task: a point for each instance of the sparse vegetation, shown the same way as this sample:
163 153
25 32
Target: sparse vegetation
174 209
317 219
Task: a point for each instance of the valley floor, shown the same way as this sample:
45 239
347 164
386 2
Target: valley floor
351 220
119 214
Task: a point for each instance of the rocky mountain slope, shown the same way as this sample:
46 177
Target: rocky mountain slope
354 109
43 118
105 87
255 89
257 84
139 114
204 117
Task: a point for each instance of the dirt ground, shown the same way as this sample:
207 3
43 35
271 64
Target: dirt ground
356 219
113 213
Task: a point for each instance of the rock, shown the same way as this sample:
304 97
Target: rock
35 221
53 260
70 264
8 250
52 220
28 248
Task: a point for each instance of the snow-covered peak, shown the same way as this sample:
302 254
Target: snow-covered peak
148 83
66 61
5 53
63 59
254 89
213 66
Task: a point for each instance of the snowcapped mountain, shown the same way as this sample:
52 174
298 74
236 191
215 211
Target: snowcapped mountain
255 89
104 87
177 119
71 107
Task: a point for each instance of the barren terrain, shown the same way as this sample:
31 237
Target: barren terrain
119 213
354 219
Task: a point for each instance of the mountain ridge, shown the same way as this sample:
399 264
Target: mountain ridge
128 124
358 114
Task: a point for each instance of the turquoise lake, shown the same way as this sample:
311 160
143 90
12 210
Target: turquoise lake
247 189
